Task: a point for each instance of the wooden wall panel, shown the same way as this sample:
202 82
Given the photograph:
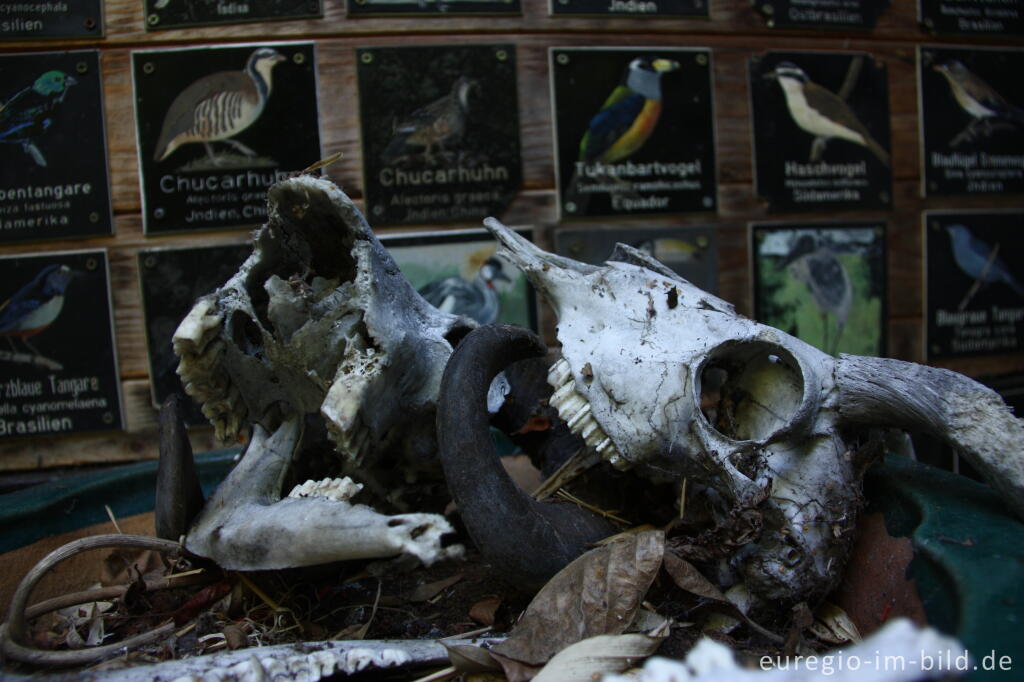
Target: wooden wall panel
734 32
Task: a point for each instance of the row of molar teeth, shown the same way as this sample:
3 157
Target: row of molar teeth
199 352
336 489
575 411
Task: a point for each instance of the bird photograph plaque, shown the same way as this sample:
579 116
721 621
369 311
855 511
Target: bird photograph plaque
697 9
164 14
691 251
366 8
53 19
58 361
459 272
972 17
972 120
824 283
821 130
440 132
171 281
834 14
974 282
54 182
634 130
217 126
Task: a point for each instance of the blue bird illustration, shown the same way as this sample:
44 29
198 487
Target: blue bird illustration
979 261
629 116
477 299
35 306
28 113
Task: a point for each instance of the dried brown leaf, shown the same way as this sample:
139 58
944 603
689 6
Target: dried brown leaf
430 590
483 611
597 594
471 659
515 671
590 659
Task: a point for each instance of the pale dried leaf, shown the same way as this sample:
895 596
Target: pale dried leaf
483 611
97 632
605 654
515 671
467 658
832 625
597 594
431 590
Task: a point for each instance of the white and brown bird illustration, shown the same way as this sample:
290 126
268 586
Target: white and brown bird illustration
433 127
219 106
978 99
821 112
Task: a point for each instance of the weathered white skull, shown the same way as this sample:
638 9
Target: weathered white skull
637 342
318 321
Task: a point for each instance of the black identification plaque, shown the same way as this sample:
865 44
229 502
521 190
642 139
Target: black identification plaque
824 283
632 8
163 14
432 7
972 120
172 280
217 126
634 130
974 282
691 250
972 17
821 130
51 19
459 272
58 362
53 180
841 14
440 132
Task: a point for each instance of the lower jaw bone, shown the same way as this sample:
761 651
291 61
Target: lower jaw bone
246 525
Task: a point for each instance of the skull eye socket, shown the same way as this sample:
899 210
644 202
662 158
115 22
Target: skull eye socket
750 390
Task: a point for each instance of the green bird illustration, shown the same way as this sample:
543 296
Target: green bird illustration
30 112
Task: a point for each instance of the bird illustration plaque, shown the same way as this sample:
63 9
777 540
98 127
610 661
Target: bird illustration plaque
365 8
58 361
53 177
460 273
634 130
974 282
632 8
823 283
164 14
972 120
821 130
972 17
839 14
52 19
691 250
440 132
172 280
217 126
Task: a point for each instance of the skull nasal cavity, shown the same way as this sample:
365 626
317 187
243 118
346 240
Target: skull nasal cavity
750 390
246 334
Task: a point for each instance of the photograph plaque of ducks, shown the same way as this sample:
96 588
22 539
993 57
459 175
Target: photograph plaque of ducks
218 107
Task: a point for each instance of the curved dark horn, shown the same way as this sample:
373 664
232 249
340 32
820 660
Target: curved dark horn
179 497
527 540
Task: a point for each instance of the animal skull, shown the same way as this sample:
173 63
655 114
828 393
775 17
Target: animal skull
318 321
637 342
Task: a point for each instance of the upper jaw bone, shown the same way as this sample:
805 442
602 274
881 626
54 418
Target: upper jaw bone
244 526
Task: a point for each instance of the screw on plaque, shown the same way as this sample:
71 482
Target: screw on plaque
299 58
81 67
702 59
153 19
570 207
91 264
149 261
108 418
883 196
90 23
703 242
707 202
576 248
562 58
148 67
366 57
501 55
378 210
159 213
936 226
94 217
768 10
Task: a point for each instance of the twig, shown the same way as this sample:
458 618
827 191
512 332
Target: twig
443 674
114 591
113 519
467 635
566 495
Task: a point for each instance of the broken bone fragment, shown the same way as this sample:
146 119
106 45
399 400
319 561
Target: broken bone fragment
245 526
782 448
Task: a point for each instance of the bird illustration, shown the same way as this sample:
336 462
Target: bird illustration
35 306
978 99
826 278
822 113
433 127
477 299
28 113
628 117
671 251
980 262
219 106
